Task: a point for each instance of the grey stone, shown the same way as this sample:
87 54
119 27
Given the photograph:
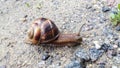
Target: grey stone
118 28
95 54
74 64
88 6
105 47
101 65
105 9
45 56
82 54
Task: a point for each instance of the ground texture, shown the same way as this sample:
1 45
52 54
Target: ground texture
100 47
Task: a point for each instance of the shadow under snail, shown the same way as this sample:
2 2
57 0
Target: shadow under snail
44 31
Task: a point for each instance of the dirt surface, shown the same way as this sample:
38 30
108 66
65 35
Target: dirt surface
16 17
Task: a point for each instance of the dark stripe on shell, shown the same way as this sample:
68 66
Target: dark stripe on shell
45 27
49 35
49 30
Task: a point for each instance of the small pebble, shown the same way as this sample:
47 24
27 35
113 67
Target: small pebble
114 10
74 64
97 44
45 56
118 28
101 65
111 52
105 9
114 53
82 54
95 54
25 16
88 6
103 20
115 46
89 27
119 44
23 19
58 64
104 47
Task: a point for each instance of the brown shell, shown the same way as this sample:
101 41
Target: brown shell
43 31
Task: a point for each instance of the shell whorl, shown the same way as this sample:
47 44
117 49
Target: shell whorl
43 30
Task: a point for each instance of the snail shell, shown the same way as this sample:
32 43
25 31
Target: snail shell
43 30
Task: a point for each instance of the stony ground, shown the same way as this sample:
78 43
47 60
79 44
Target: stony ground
100 47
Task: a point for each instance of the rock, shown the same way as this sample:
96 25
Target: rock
74 64
115 46
111 52
1 12
97 44
58 64
119 44
101 65
118 28
25 16
82 54
114 10
105 9
88 6
104 47
95 54
45 56
103 20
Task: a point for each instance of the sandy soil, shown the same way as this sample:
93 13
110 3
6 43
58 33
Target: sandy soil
16 17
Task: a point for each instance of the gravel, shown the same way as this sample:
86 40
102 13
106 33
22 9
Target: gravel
101 65
118 28
45 57
16 17
105 9
95 54
105 47
82 54
74 64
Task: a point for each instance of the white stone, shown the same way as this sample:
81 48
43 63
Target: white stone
97 45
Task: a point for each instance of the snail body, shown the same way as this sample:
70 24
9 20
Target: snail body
44 31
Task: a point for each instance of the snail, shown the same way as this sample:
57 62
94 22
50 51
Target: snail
44 31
